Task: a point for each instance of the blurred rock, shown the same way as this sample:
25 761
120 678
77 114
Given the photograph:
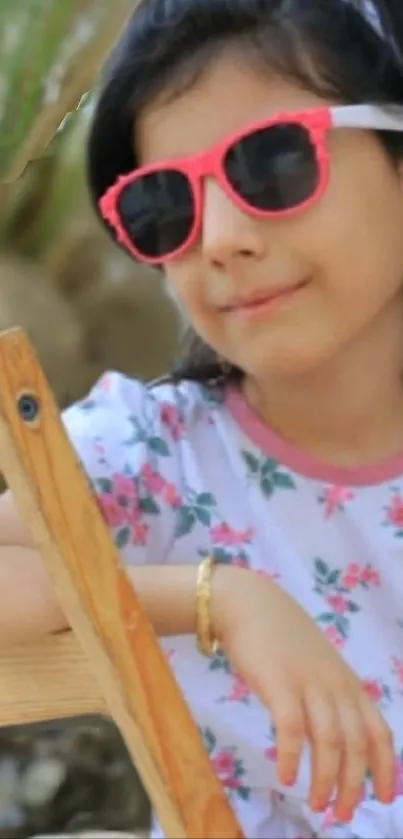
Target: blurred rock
69 777
29 299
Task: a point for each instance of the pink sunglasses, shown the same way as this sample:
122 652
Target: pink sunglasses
276 167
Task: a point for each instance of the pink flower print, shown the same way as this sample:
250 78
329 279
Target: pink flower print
171 496
334 499
172 418
394 512
223 534
229 769
226 768
338 603
271 753
335 637
99 448
371 577
239 692
240 561
373 689
140 533
105 383
397 664
351 576
133 514
113 512
359 575
152 480
329 819
123 487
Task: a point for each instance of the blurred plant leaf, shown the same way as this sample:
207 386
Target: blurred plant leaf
50 53
58 267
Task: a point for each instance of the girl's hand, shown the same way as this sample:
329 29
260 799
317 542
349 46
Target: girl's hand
310 691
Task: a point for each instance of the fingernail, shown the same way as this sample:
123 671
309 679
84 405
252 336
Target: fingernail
345 815
288 780
320 806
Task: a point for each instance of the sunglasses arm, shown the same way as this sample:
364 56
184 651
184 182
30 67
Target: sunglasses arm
386 118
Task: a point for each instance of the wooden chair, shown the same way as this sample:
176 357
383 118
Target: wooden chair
110 662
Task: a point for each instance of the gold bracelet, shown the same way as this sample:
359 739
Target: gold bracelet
207 644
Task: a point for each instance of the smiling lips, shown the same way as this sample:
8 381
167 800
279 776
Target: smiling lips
262 301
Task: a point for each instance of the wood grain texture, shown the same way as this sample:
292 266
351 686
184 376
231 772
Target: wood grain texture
47 680
138 687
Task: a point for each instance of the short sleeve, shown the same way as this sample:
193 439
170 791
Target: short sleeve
125 440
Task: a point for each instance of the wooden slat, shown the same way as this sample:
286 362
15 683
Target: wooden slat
103 610
47 680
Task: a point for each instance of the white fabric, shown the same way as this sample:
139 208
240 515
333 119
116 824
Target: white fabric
180 474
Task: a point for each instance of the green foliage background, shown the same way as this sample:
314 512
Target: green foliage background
86 306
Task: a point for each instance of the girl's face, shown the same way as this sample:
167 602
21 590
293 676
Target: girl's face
330 275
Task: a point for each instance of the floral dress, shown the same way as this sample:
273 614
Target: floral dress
184 471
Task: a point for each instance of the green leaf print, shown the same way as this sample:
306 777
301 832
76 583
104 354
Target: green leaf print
206 499
268 473
122 537
269 466
105 485
326 617
149 506
321 569
342 625
186 521
333 577
266 485
283 481
139 435
220 662
158 446
203 515
209 739
221 555
251 461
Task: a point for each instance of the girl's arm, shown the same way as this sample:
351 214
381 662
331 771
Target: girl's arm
29 606
278 650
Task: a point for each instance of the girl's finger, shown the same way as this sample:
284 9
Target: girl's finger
326 744
289 721
354 764
382 759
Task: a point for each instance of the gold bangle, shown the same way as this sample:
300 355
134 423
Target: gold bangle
207 644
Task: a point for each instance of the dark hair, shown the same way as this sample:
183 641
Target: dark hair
327 45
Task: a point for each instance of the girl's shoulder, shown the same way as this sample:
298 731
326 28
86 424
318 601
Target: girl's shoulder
116 401
135 442
124 426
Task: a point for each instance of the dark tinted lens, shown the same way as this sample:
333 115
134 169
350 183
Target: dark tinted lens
273 169
157 212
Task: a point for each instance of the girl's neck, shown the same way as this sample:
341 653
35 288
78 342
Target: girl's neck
350 412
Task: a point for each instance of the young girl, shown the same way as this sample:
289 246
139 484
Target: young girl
253 149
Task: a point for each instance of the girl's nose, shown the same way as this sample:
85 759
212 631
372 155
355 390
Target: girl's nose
228 233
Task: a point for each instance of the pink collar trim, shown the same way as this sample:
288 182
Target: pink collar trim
298 461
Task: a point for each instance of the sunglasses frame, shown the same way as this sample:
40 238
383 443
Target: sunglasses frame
317 123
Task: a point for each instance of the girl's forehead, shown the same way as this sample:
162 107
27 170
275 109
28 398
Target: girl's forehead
226 96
